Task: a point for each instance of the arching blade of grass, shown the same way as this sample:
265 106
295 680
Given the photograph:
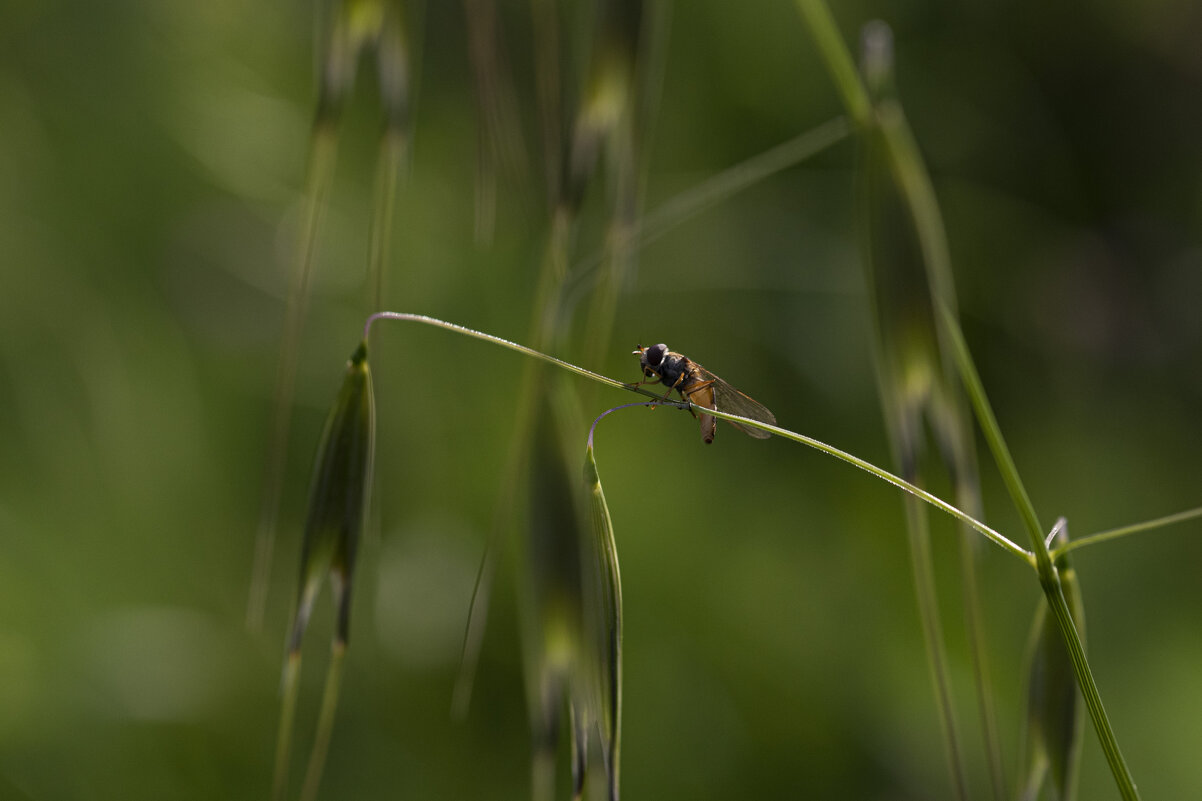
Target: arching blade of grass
989 533
338 498
1054 720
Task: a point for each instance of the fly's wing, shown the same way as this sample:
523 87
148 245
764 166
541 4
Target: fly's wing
728 399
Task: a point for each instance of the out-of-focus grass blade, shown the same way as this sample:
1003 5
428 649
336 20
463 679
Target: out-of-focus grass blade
554 589
605 109
500 147
393 69
338 498
604 620
917 385
574 615
322 156
1054 712
619 116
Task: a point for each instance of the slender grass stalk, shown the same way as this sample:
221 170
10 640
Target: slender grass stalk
1125 531
837 58
389 166
499 148
917 381
1048 577
922 564
325 722
990 534
544 16
708 193
394 70
978 644
322 157
907 360
290 687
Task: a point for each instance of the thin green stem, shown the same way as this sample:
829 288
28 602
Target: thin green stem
922 563
1135 528
722 186
940 504
884 475
322 156
291 689
997 444
325 723
505 343
1048 577
393 147
837 59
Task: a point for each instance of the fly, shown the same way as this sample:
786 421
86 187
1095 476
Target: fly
701 388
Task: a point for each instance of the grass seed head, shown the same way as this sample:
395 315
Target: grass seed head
338 497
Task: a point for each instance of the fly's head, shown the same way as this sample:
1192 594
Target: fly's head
651 359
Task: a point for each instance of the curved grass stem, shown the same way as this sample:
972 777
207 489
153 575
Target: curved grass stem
940 504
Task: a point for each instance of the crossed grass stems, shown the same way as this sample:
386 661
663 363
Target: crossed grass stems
873 114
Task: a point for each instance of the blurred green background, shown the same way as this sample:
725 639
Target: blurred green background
151 161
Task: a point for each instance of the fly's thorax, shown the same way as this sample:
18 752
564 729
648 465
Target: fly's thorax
676 371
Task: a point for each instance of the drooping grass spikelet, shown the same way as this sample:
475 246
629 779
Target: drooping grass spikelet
338 498
554 590
354 26
605 106
322 157
573 607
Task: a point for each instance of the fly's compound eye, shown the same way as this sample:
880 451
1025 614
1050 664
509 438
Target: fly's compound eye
655 355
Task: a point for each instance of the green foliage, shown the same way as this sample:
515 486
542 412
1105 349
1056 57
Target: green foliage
153 161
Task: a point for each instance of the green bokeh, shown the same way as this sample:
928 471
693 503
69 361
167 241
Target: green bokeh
151 160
